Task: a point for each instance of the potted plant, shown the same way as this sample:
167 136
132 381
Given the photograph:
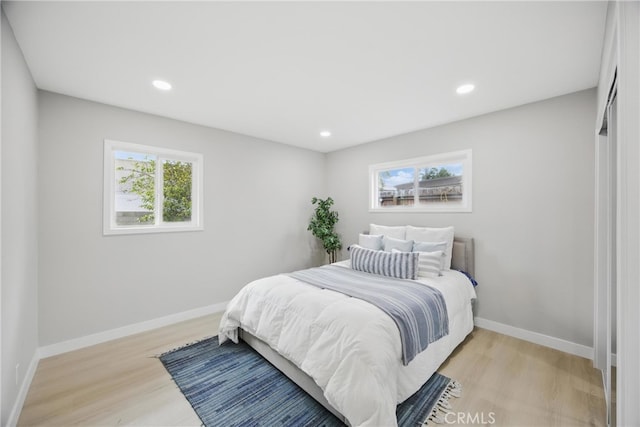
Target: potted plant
322 226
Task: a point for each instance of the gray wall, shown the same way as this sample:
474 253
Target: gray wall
19 267
533 203
257 207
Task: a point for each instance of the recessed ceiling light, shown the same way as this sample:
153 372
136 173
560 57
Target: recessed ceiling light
325 134
466 88
161 84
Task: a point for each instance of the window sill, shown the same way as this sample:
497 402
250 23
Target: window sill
150 230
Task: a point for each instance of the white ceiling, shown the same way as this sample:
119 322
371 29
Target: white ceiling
284 71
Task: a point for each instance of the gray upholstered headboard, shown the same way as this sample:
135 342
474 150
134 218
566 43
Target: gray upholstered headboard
463 254
462 258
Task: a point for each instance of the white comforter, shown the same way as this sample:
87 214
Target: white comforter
349 347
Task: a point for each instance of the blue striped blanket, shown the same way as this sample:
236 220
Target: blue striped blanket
418 310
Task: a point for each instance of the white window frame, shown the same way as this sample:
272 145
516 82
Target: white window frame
197 195
464 157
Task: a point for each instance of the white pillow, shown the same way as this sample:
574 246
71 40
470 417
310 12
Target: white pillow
425 234
397 232
429 263
389 243
371 241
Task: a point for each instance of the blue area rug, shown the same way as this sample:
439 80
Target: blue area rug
232 385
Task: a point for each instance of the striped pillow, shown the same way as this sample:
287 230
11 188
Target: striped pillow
401 265
432 247
430 263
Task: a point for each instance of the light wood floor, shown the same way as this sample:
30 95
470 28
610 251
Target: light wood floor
505 380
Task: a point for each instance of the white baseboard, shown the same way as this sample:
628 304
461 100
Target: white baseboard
536 338
12 421
125 331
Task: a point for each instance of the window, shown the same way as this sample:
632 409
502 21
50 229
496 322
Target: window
149 189
438 183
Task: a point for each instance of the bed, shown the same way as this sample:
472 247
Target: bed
345 352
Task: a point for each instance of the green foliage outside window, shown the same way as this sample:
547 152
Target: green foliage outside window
431 173
177 180
177 191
